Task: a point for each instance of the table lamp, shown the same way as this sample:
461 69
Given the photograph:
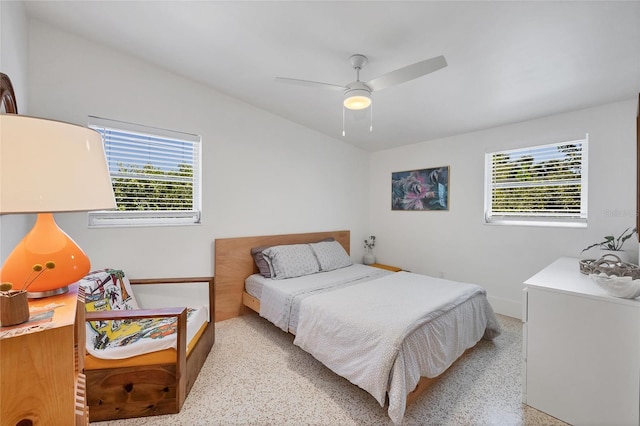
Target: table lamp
49 166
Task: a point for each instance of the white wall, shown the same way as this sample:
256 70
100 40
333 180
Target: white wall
262 174
458 245
265 175
14 49
14 63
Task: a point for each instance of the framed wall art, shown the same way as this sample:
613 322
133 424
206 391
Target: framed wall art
425 189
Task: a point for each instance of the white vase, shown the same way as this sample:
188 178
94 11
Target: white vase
369 258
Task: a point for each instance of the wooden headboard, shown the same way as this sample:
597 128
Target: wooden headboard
234 263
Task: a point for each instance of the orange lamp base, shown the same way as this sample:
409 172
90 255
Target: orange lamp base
46 261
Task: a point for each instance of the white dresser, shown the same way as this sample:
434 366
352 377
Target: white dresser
581 349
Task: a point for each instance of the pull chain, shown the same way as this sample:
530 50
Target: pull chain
343 132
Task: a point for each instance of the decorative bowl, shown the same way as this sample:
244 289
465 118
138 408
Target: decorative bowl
624 287
609 264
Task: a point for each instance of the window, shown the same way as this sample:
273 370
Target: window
155 175
541 185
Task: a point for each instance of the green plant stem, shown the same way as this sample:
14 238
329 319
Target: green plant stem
34 278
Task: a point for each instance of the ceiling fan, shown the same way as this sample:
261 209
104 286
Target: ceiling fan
357 94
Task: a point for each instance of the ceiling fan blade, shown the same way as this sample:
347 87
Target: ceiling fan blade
407 73
309 83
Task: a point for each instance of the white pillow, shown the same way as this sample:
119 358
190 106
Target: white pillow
331 255
293 260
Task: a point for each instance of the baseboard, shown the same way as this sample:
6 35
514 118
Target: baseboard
506 307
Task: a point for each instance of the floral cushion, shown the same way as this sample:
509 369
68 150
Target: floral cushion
109 289
106 290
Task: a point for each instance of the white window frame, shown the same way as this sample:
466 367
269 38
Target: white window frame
542 218
119 218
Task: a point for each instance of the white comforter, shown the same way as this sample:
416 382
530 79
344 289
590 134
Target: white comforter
280 299
384 332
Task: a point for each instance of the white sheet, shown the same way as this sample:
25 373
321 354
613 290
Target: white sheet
253 285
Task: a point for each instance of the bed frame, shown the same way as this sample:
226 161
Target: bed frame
234 263
154 388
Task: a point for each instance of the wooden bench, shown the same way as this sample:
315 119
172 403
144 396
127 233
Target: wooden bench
149 384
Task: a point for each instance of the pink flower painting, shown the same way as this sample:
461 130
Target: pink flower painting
426 189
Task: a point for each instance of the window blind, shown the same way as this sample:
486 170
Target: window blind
154 172
541 184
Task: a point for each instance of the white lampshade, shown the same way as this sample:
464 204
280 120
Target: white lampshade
357 99
51 166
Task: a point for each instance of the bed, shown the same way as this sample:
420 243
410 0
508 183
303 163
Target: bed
389 333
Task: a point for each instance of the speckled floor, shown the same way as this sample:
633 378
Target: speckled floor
254 375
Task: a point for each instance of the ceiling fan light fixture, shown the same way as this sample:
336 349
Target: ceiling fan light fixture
357 99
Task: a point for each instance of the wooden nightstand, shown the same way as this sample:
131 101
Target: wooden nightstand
387 267
42 379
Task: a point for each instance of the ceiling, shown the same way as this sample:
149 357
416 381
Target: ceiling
507 61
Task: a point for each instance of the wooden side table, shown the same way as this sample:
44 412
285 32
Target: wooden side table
41 363
387 267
